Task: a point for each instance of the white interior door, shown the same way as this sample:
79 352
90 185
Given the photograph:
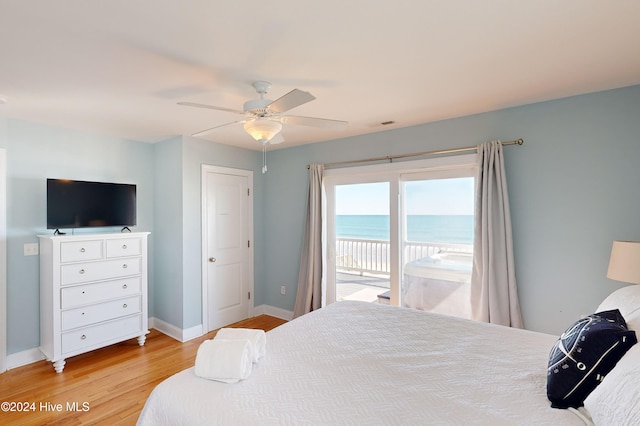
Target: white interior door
227 247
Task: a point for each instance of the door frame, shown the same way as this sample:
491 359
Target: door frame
205 169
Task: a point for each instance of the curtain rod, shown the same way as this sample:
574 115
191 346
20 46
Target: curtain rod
417 154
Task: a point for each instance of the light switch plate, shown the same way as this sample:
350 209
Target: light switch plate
31 249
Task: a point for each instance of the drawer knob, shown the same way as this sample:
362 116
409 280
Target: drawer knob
124 266
83 337
124 306
82 271
124 286
124 246
82 250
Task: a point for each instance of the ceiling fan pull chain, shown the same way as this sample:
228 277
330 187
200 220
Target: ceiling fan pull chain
264 157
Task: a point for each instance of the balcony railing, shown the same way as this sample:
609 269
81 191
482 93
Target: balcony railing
373 256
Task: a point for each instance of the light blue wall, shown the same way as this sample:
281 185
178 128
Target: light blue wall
168 179
574 188
165 295
36 152
178 163
197 152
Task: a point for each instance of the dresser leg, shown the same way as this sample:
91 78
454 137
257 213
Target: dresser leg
59 365
142 339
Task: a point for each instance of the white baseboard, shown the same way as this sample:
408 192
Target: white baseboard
273 311
192 333
23 358
181 335
184 335
29 356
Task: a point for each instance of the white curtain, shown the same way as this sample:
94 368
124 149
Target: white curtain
309 295
494 297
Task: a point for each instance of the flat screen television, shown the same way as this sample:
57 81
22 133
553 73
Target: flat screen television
82 204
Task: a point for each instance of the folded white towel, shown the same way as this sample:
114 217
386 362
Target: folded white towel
258 339
227 361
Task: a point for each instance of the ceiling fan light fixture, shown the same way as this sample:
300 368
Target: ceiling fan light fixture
263 129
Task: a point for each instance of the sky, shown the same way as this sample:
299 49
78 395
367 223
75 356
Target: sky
425 197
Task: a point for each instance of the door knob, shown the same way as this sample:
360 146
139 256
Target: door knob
212 259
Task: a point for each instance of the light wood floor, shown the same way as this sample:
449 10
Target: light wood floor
109 385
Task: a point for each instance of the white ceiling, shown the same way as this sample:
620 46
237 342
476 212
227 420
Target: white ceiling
118 67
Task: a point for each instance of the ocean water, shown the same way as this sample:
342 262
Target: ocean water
420 228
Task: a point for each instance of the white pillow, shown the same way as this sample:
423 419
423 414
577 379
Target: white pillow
626 299
616 401
633 322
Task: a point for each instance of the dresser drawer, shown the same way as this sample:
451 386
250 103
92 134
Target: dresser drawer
87 337
77 251
96 271
122 247
86 294
87 315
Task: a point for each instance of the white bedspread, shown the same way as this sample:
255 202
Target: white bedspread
355 363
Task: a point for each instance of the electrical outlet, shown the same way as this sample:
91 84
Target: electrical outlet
283 289
31 249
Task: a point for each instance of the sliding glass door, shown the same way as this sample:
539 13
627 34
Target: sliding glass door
401 234
437 242
359 235
362 241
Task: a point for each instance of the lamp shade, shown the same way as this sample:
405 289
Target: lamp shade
624 264
263 129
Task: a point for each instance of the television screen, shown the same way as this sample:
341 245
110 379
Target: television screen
82 204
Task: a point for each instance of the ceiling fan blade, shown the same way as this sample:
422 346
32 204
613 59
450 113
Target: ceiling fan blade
193 104
314 122
276 139
291 100
202 132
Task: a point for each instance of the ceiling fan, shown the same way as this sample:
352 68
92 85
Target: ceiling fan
263 118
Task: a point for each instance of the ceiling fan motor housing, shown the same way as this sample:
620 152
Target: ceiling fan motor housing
257 107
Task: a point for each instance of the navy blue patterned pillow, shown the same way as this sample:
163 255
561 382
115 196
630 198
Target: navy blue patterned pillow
584 354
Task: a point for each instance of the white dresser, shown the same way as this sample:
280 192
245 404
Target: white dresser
93 292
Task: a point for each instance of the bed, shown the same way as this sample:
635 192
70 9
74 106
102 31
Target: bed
354 363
